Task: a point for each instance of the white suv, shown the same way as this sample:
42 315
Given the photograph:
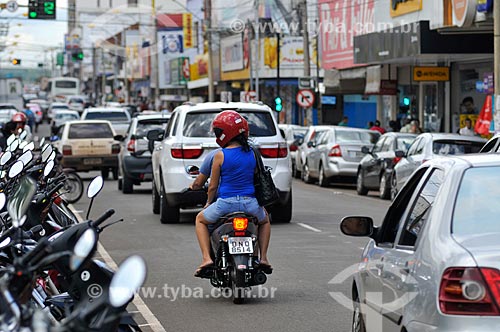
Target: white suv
189 138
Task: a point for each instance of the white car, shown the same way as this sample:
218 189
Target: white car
119 117
76 103
6 112
293 135
189 138
89 145
54 107
61 117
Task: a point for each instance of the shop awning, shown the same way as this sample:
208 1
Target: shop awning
417 41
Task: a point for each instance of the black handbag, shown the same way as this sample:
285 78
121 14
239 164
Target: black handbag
265 190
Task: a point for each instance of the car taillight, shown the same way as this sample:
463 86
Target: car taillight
180 152
240 224
115 148
293 148
280 152
335 151
131 145
396 160
470 291
67 150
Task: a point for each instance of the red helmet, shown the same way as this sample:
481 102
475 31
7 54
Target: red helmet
19 117
227 125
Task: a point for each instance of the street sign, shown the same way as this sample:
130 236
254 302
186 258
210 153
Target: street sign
12 6
306 83
305 98
248 96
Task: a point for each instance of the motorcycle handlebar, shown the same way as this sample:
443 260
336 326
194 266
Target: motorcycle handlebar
56 188
102 218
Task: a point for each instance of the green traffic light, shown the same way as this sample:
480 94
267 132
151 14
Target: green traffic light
406 101
278 104
33 15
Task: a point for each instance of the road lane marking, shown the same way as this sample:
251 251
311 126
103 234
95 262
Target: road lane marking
150 318
306 226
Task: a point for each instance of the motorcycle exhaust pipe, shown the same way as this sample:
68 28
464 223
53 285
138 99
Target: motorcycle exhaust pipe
260 278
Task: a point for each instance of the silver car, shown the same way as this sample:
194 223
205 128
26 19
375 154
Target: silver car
428 146
293 135
119 118
336 152
304 147
434 263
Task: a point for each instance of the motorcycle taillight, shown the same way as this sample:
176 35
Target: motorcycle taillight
240 224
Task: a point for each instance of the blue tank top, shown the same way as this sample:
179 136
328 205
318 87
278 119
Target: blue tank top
236 178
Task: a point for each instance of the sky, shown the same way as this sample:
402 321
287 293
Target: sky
33 37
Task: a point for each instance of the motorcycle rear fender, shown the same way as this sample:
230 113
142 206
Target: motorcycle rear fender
240 261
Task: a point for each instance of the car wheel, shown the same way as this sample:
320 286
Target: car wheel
128 185
360 187
358 323
385 187
394 186
156 199
296 172
168 214
105 173
306 175
282 213
323 180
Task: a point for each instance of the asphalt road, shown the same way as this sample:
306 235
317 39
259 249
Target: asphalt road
306 255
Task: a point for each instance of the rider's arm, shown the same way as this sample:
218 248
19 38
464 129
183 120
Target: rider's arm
199 182
214 182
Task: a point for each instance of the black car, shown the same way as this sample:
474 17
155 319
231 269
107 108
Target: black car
135 159
374 172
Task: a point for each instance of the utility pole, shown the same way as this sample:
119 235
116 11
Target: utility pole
278 54
257 60
156 67
94 73
250 57
307 61
496 18
208 30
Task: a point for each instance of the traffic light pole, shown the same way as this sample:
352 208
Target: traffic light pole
278 83
496 18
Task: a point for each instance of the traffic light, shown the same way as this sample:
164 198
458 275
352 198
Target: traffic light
42 9
77 55
278 104
16 62
406 101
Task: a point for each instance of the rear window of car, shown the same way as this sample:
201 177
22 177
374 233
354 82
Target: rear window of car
403 143
476 208
66 116
90 130
344 136
76 100
199 124
7 107
454 147
110 116
62 107
146 125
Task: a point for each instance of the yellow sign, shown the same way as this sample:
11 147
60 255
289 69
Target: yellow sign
422 74
402 7
187 26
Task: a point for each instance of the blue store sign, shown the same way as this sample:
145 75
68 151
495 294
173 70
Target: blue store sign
484 6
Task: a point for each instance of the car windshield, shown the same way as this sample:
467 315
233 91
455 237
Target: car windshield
107 115
90 130
59 107
144 126
403 143
344 136
67 116
476 208
454 147
76 100
199 124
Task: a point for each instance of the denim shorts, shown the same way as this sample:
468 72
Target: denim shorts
223 206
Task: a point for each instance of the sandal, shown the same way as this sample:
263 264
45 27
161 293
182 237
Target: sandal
202 270
266 268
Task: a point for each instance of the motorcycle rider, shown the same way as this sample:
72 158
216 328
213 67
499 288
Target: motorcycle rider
232 183
20 119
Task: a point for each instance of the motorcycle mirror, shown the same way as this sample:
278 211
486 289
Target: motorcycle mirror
20 200
13 147
11 139
47 150
83 247
16 169
3 199
42 142
3 174
52 156
129 277
29 146
26 157
48 168
5 158
23 134
95 187
5 242
22 145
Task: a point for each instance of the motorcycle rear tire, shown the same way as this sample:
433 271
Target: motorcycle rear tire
74 185
238 286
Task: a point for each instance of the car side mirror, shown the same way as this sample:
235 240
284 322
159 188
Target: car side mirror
155 135
399 154
119 138
357 226
54 138
311 144
365 150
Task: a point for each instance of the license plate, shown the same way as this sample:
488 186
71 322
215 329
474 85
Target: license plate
240 245
356 154
92 161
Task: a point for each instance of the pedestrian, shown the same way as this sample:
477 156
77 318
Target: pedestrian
344 122
370 124
31 117
393 126
467 130
377 127
406 126
415 127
